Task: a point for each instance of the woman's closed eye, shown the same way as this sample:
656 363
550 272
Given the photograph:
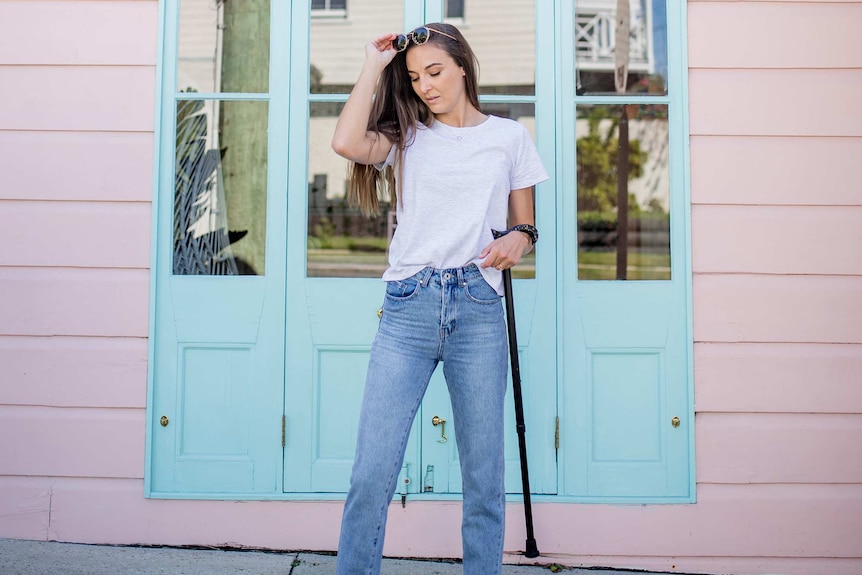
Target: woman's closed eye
416 78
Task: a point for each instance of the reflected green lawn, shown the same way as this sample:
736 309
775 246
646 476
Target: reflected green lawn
366 257
363 257
602 265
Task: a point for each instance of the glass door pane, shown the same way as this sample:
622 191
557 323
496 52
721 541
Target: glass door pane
503 36
220 187
223 46
623 183
341 241
621 47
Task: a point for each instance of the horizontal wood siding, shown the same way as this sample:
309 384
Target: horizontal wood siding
769 170
802 35
74 302
772 102
76 166
72 442
776 140
119 33
779 448
93 234
78 98
776 308
778 378
821 240
82 371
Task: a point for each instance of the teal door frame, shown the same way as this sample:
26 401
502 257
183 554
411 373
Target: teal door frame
596 319
216 362
287 102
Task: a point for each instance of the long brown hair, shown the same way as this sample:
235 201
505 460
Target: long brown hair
397 110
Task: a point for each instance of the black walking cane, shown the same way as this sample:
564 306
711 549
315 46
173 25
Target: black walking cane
531 549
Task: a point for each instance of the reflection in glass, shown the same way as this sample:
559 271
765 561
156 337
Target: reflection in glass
623 198
342 242
220 188
328 5
504 45
337 44
598 33
223 46
454 9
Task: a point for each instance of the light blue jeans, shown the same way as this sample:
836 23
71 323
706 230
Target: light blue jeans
452 316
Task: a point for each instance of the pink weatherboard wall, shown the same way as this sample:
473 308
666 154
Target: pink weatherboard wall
776 144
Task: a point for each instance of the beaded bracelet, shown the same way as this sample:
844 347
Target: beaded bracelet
531 232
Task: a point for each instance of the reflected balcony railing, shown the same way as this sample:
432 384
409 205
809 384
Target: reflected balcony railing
595 36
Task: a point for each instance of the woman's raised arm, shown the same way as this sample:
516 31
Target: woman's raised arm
352 139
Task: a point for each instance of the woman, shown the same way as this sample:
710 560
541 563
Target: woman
455 174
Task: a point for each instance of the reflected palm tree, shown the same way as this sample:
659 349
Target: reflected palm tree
201 238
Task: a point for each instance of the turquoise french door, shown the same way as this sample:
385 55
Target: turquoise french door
625 345
217 360
334 289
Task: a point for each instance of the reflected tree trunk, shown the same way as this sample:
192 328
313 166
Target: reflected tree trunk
243 125
621 74
623 195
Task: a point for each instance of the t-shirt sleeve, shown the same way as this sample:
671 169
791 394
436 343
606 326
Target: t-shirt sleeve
389 159
528 170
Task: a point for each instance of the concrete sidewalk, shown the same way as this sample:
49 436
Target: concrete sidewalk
19 557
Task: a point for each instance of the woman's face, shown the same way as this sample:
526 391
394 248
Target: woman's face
436 78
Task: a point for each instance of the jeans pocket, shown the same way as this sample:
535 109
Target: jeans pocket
480 291
402 290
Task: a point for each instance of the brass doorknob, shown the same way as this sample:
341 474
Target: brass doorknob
675 421
437 420
164 421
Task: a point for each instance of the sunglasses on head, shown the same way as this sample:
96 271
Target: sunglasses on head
419 36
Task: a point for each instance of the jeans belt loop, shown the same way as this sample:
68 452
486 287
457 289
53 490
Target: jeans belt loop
461 281
426 276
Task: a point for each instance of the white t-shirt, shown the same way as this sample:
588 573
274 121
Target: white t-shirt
454 190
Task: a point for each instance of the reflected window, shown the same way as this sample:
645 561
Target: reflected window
621 47
328 8
454 10
220 187
336 48
623 192
223 46
504 45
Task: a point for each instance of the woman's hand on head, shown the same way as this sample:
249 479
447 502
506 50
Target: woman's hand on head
380 51
506 251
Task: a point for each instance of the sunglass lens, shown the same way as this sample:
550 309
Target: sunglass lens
399 43
421 34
